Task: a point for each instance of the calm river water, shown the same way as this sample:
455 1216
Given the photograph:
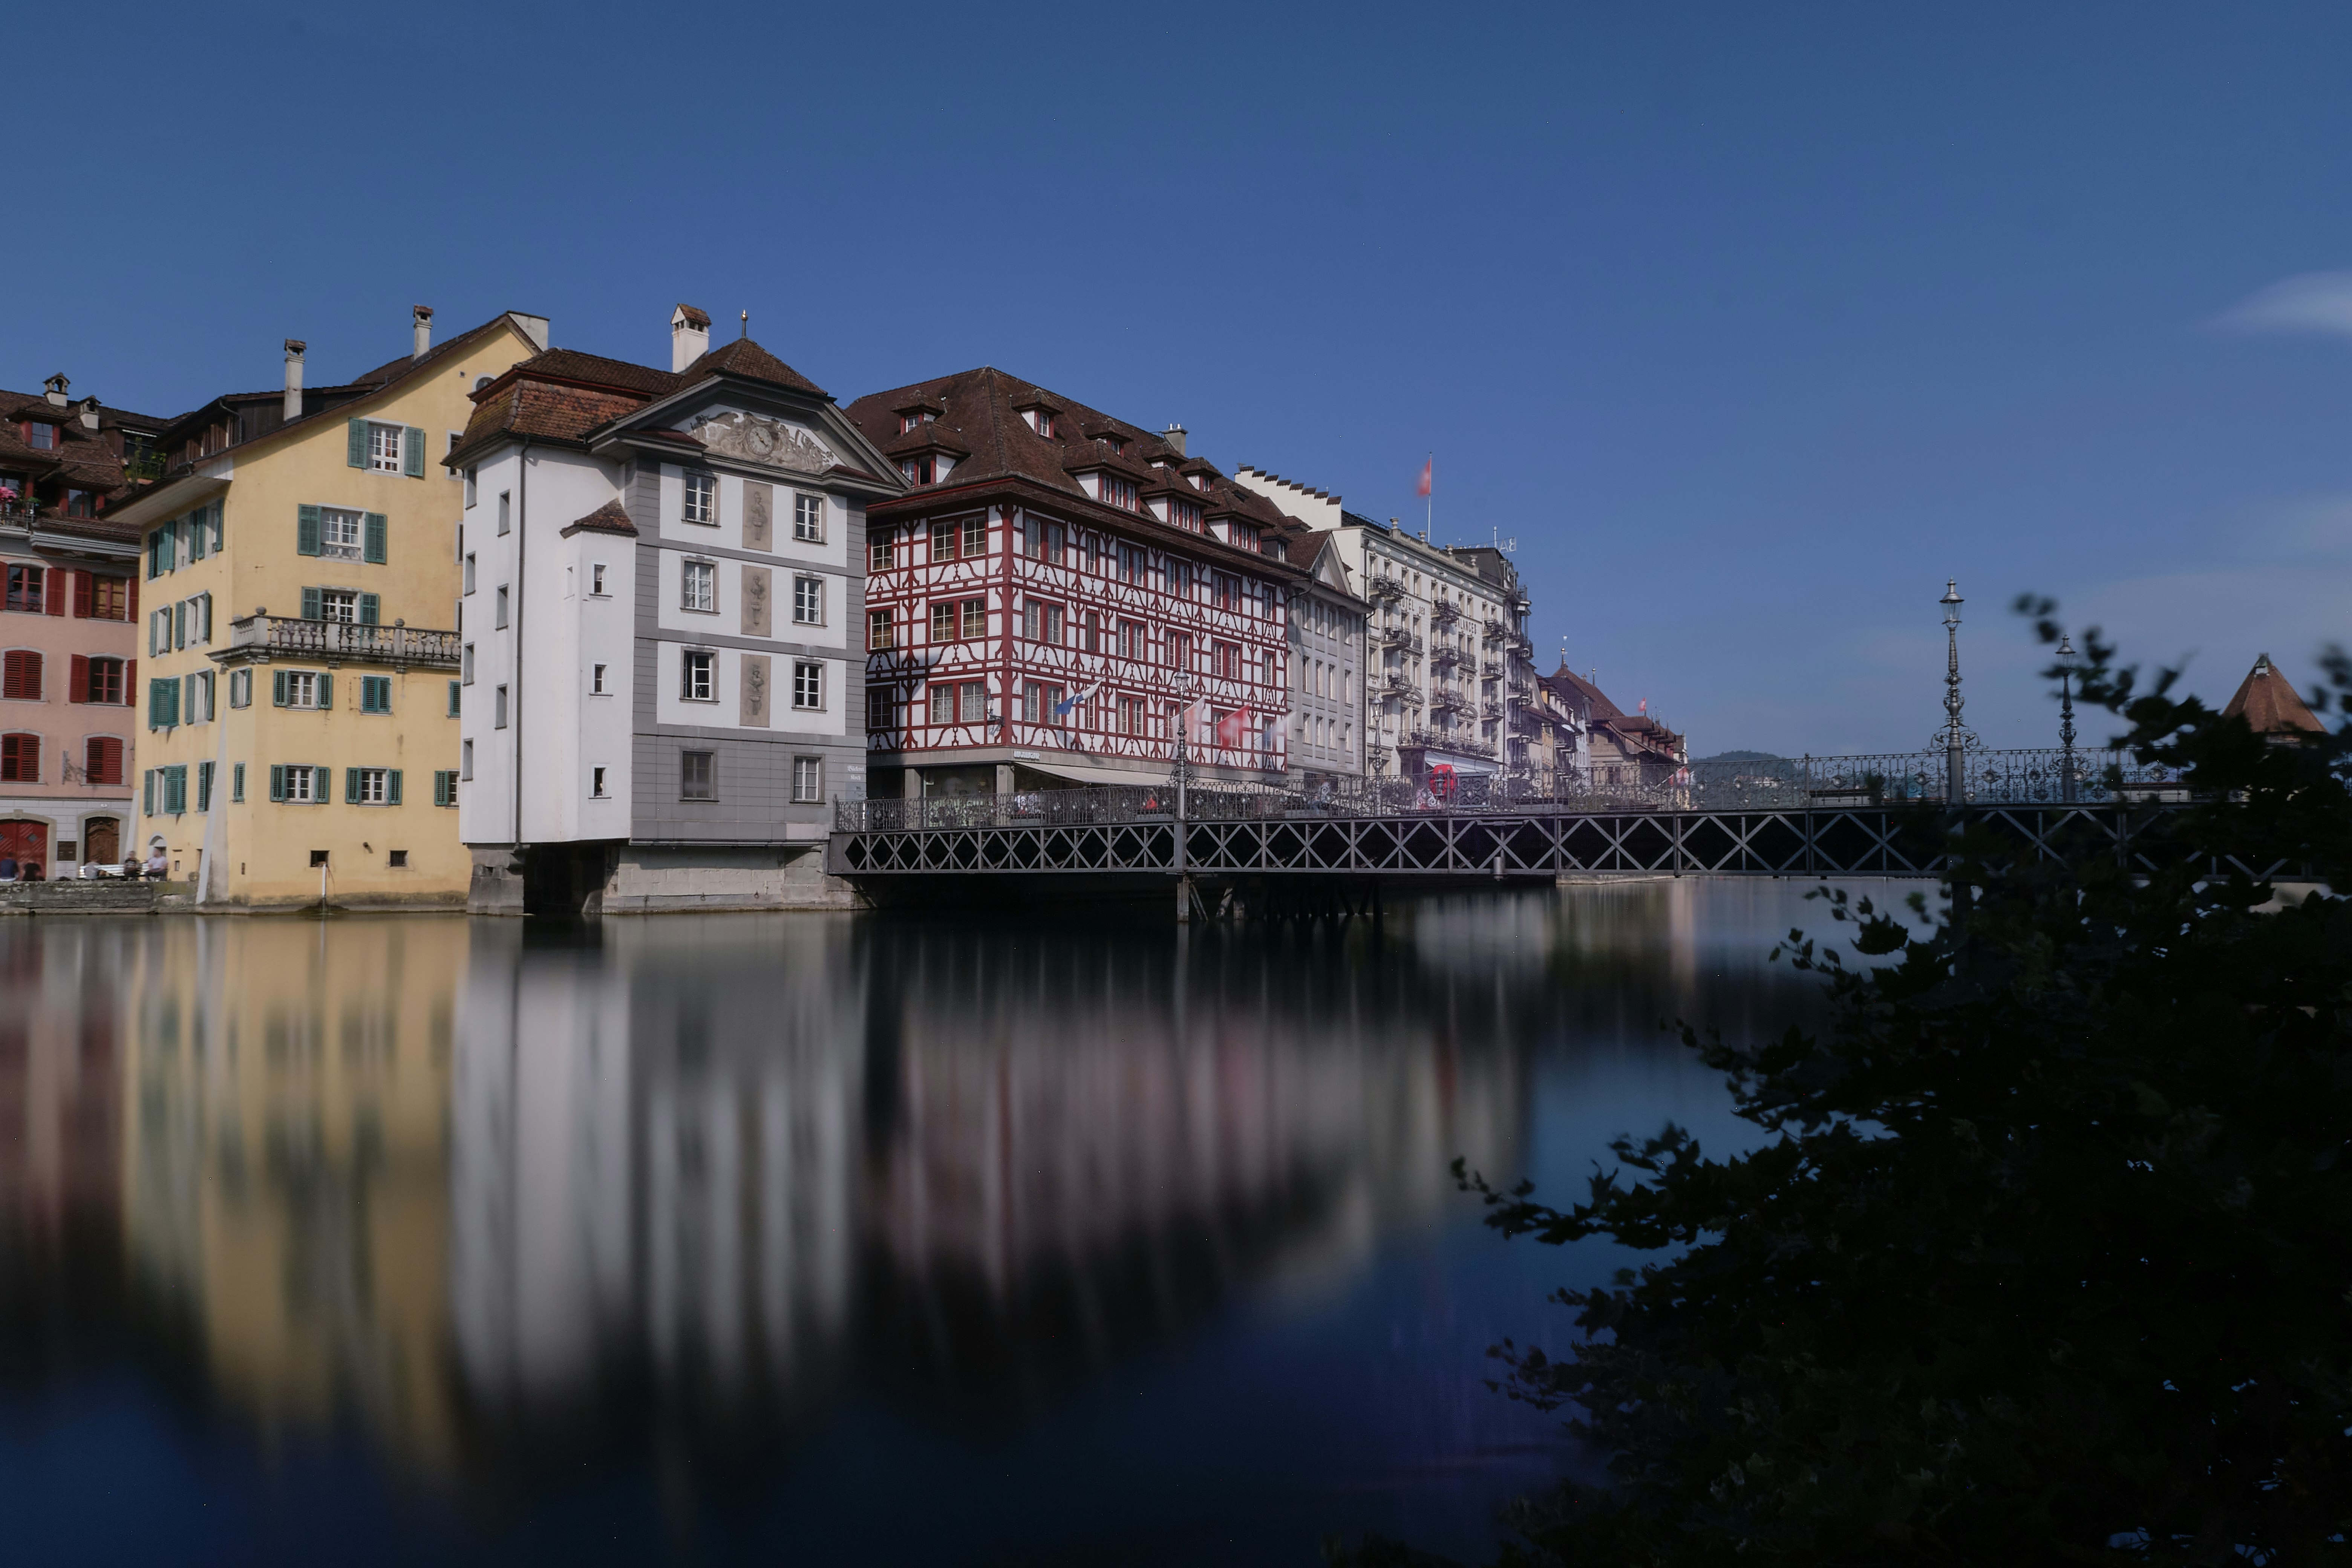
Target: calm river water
813 1239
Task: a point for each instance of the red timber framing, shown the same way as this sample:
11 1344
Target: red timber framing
1049 554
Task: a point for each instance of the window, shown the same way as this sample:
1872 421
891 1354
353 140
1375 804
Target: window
1130 715
101 760
466 665
1132 643
174 788
454 690
1042 540
966 538
198 689
808 683
697 776
375 694
471 478
808 518
1180 650
943 622
596 581
975 618
880 632
943 702
808 601
340 606
881 551
445 787
1041 622
1187 514
1131 564
203 786
1039 703
972 702
110 599
20 675
922 470
506 500
163 704
597 681
499 708
500 618
368 786
319 856
25 589
465 759
398 860
237 783
1118 492
383 448
342 533
469 573
1093 632
39 435
808 780
20 758
698 587
698 680
879 709
297 784
596 784
240 687
701 498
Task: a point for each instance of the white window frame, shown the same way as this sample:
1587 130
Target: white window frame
596 581
699 502
699 574
808 600
694 662
808 518
385 444
376 787
304 791
808 781
301 688
596 784
469 572
808 685
334 523
345 599
596 681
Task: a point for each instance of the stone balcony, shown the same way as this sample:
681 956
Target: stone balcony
335 642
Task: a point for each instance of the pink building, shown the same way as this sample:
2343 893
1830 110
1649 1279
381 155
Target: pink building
67 642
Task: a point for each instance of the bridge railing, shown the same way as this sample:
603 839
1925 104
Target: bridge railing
1992 778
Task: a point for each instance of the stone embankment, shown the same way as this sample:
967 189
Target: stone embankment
95 896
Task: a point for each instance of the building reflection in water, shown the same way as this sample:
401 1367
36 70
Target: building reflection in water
499 1196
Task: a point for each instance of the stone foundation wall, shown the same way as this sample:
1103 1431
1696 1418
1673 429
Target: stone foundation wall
95 896
653 882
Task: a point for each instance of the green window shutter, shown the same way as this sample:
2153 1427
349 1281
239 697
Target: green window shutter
147 792
306 531
167 542
355 436
237 783
373 540
220 527
391 787
321 781
311 610
197 536
453 699
278 781
277 691
350 786
175 790
171 702
326 694
368 609
440 788
411 452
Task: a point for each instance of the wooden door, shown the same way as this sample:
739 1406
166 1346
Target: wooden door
101 841
26 843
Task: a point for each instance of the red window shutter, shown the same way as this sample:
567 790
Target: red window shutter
84 593
130 683
55 581
134 598
77 683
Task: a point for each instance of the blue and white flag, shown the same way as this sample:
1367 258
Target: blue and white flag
1062 708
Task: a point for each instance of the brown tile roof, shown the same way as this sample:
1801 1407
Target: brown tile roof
744 357
695 316
1577 691
2270 704
610 518
562 395
928 436
982 409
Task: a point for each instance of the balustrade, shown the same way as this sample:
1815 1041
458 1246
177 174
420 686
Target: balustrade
395 644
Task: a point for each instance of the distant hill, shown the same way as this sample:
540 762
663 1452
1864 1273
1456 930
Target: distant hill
1740 757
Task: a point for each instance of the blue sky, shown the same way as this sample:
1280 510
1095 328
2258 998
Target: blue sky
1751 323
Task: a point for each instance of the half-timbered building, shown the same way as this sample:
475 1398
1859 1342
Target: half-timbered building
1060 596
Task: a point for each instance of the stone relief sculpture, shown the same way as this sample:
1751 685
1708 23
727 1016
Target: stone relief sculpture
756 580
755 691
769 442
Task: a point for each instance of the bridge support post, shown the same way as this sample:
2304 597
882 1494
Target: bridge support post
1185 900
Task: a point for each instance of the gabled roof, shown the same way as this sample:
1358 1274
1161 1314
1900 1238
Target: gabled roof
1579 691
2270 704
748 359
563 395
982 409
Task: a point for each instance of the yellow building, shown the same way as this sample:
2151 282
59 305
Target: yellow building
299 708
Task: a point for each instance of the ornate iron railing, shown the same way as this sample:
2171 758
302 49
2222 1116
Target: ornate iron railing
395 644
1401 640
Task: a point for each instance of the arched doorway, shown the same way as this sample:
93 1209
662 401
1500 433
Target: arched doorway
26 843
101 841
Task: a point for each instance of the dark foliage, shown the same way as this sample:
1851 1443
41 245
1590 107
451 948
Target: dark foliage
2045 1255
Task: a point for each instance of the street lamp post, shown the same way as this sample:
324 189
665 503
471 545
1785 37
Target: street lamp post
1955 771
2066 716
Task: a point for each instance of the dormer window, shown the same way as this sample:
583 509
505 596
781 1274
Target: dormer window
1044 422
40 436
1038 415
1240 535
912 417
1118 492
922 470
1185 514
1118 444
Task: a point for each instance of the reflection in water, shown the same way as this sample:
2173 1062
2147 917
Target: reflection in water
499 1199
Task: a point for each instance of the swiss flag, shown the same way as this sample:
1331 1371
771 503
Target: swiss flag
1232 727
1426 469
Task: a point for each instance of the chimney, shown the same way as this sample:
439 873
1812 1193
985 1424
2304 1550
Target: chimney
424 315
1174 436
294 347
689 337
56 386
89 412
